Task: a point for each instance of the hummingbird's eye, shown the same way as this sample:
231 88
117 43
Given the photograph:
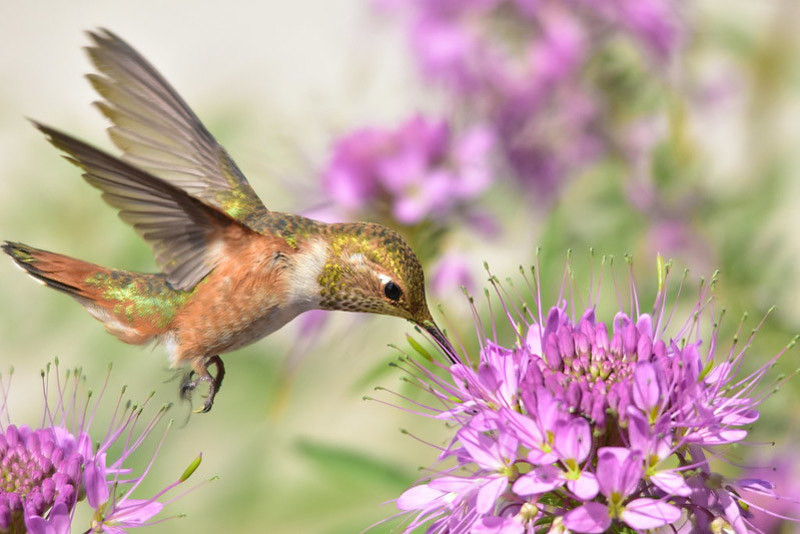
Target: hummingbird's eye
392 291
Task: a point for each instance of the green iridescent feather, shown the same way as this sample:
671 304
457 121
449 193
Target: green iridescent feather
140 296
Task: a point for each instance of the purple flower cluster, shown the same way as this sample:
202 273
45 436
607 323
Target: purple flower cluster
39 473
46 471
588 426
418 171
525 67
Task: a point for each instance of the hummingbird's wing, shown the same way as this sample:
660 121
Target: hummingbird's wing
158 132
181 229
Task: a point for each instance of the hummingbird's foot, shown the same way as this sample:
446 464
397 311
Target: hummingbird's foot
216 382
192 379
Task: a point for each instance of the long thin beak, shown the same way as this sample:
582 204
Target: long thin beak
441 340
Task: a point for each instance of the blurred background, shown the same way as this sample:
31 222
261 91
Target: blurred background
481 130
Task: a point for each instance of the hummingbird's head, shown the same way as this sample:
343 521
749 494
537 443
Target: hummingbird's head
371 269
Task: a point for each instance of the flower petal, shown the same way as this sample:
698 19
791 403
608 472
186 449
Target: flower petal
732 512
481 448
539 457
540 480
591 517
57 523
418 497
134 512
640 435
453 484
618 470
573 440
94 479
646 391
489 493
533 339
649 513
585 487
609 467
671 483
497 525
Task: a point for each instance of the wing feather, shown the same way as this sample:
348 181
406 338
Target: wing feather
180 228
159 133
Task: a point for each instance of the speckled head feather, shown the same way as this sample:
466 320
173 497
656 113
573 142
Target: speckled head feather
363 259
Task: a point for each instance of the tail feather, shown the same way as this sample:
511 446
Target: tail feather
108 295
53 270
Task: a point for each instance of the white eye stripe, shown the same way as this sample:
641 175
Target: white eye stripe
384 279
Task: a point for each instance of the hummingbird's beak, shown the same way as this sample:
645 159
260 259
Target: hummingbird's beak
441 340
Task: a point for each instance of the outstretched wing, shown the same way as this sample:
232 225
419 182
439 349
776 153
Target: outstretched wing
181 229
158 132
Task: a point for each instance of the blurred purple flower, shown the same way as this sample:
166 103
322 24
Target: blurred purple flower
350 176
669 222
420 169
654 22
524 67
450 273
589 426
482 45
782 471
442 48
48 470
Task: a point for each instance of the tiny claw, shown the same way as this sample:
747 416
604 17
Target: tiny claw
187 386
191 380
206 406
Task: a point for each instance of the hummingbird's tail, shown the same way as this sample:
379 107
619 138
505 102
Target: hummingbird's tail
135 307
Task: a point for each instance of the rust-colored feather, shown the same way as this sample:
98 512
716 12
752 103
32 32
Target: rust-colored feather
134 307
233 306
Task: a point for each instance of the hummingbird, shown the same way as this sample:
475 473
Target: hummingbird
232 271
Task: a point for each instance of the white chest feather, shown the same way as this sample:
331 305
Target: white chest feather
304 274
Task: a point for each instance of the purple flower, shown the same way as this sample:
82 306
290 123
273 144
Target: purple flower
654 22
572 443
528 68
350 176
619 472
48 470
588 425
41 478
451 272
417 171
